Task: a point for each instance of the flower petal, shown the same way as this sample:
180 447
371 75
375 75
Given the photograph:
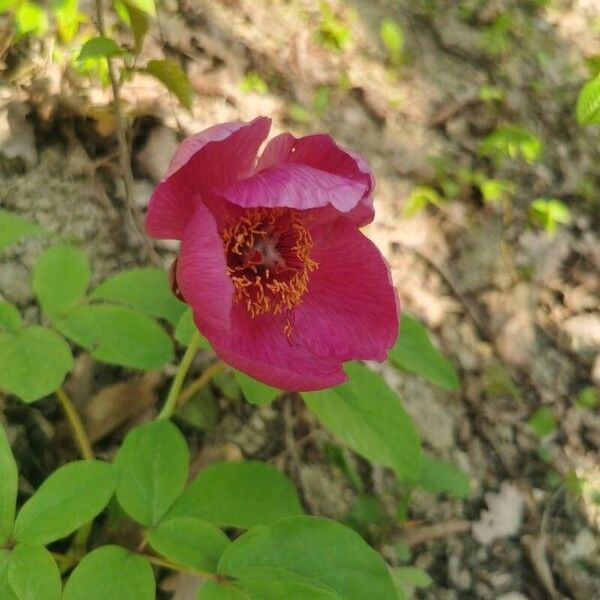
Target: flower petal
321 152
202 274
351 308
212 159
259 347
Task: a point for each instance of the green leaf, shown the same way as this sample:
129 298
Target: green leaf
392 37
299 558
254 391
368 416
238 494
189 542
60 279
549 213
33 362
542 422
153 466
118 335
31 18
414 352
441 476
147 6
419 198
10 318
111 572
69 498
173 77
511 141
137 19
186 328
100 47
412 577
33 574
9 486
13 228
145 289
588 398
6 592
587 109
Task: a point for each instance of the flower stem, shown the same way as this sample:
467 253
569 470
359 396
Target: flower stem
199 383
162 562
79 433
171 402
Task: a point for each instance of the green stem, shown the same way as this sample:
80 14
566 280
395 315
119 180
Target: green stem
79 434
171 402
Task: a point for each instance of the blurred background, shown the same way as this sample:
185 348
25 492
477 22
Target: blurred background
486 155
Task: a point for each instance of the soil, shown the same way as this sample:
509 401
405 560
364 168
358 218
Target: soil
517 310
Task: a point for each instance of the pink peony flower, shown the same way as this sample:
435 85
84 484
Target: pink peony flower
279 277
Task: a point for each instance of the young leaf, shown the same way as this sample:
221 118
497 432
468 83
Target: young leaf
254 391
441 476
302 557
33 362
100 47
33 574
368 416
414 352
153 466
10 318
145 289
60 279
587 109
549 213
69 498
511 141
111 572
31 18
542 422
173 77
186 328
393 39
189 542
139 21
13 228
118 335
6 592
9 485
238 494
411 577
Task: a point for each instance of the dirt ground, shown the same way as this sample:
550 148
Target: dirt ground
516 310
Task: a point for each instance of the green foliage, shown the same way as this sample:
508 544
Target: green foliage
392 36
33 574
153 465
588 398
173 77
111 572
408 578
441 476
414 352
496 190
189 542
186 328
68 18
137 18
70 497
490 93
542 422
9 486
549 213
587 109
253 82
33 362
31 18
144 289
14 228
254 391
368 416
10 318
511 141
298 558
333 33
321 101
100 47
60 279
298 113
238 494
419 198
496 37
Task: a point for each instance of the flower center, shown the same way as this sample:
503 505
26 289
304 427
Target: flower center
268 260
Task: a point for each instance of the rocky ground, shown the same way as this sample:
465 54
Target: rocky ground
516 309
